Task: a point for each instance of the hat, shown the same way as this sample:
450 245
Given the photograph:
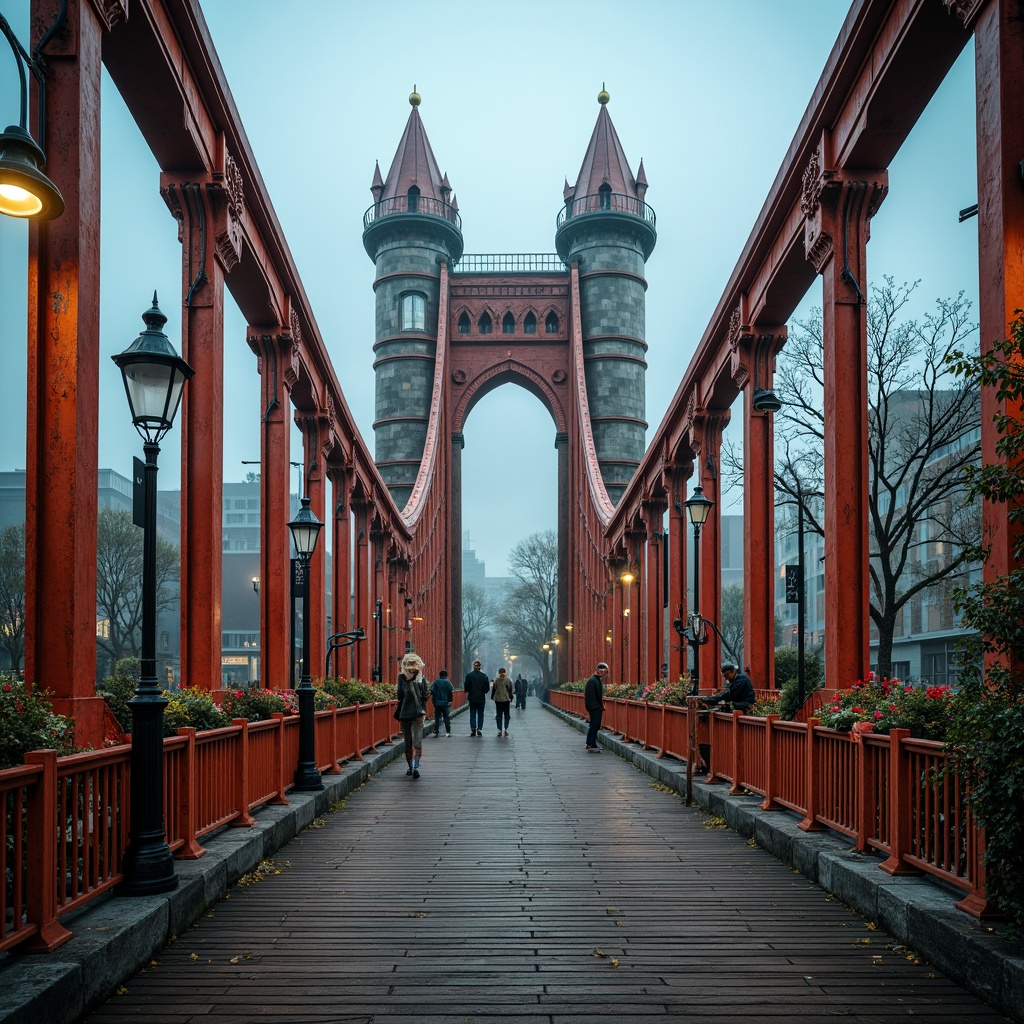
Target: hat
601 664
728 666
412 661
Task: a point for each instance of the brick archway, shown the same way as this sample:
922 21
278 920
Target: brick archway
473 383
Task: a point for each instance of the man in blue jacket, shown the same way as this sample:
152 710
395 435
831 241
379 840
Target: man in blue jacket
593 701
739 690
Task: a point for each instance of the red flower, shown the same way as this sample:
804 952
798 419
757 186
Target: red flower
860 711
878 715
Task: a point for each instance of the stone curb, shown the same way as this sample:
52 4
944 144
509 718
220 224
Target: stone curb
919 913
115 936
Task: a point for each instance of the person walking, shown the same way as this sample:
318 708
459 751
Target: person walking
520 688
442 692
412 702
476 685
501 694
593 701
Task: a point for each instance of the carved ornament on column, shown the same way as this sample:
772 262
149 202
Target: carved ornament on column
824 216
965 10
227 197
739 347
293 366
111 12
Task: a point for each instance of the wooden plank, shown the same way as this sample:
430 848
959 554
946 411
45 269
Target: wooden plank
524 879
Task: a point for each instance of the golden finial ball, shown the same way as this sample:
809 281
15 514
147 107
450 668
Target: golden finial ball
602 96
414 98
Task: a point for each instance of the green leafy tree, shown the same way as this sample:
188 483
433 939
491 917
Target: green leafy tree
12 593
119 582
528 616
986 732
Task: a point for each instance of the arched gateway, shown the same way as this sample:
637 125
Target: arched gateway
452 327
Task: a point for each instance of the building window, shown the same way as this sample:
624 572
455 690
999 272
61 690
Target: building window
551 323
484 324
414 309
529 324
508 324
414 198
464 324
604 196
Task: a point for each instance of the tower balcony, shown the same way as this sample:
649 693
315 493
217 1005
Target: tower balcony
418 213
632 212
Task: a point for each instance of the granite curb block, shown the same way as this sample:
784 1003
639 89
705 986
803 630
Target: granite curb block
116 936
917 912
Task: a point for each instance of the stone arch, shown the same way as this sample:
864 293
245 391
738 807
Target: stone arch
510 371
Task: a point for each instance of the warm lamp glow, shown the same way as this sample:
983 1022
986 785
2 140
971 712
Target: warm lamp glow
18 202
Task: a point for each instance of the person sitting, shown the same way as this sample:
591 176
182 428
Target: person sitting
739 690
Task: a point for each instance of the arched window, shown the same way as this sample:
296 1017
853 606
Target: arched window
464 324
551 323
414 308
484 323
414 198
604 196
508 324
529 324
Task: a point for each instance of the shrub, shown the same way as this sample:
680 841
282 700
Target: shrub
787 667
192 708
28 722
351 691
767 706
119 688
258 705
789 697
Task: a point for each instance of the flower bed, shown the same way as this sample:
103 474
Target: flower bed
884 704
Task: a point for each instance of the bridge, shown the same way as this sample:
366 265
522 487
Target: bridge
394 522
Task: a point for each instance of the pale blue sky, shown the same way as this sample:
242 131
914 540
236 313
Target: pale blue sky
709 95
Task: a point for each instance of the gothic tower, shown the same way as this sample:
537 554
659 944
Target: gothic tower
608 229
412 225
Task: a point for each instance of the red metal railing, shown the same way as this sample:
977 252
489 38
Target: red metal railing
885 792
65 824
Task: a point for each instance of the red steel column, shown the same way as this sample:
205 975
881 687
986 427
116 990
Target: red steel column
838 207
341 570
312 461
275 569
207 214
759 521
999 73
679 533
711 545
365 651
63 381
655 589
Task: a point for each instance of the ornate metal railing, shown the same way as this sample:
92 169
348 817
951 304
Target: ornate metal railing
510 263
606 202
425 205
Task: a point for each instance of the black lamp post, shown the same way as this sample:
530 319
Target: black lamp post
154 378
24 190
305 528
698 507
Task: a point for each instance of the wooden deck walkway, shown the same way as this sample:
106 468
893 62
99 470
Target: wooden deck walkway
523 879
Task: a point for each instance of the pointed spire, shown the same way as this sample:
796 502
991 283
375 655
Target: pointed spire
414 163
641 180
605 161
567 192
377 185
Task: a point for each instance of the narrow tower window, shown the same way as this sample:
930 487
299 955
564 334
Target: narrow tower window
551 323
414 308
508 324
604 196
529 324
464 324
414 198
484 323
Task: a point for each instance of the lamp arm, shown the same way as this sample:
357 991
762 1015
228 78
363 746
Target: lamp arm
21 58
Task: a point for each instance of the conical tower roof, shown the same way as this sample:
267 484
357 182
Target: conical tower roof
414 162
605 161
